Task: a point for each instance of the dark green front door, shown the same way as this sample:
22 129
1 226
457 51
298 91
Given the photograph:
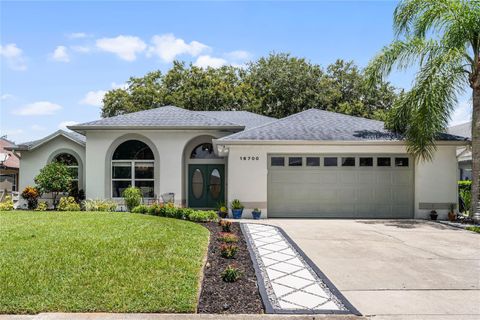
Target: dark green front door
206 185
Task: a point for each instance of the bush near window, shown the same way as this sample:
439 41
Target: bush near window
143 209
132 197
56 178
68 204
7 204
31 194
42 206
100 205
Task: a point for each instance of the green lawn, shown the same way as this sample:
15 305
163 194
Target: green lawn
89 261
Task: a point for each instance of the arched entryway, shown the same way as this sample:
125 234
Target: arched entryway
205 181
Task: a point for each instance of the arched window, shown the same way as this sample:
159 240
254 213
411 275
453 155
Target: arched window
203 151
133 165
71 162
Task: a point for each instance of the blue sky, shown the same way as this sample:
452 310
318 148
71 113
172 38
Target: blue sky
58 58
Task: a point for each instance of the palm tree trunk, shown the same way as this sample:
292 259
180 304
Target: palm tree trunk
475 204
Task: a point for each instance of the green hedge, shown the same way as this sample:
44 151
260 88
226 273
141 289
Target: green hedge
171 211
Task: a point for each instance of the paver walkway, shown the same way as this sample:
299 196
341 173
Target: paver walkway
287 282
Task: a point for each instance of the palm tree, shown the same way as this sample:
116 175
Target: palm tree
441 38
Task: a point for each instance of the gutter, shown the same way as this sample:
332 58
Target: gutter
82 129
328 142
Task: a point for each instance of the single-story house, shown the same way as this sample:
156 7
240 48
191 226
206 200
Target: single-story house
464 153
9 168
311 164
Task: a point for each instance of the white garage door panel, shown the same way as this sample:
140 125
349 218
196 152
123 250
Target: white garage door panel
340 192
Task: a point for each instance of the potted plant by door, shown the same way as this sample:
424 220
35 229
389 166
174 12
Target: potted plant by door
223 212
433 215
237 209
452 216
256 213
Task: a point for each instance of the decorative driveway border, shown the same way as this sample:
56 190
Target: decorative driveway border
289 282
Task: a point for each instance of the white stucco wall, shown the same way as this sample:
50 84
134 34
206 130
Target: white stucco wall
169 167
32 161
435 182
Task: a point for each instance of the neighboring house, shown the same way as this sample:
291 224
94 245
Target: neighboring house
9 167
311 164
464 153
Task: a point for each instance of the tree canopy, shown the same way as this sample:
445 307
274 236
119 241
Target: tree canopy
277 85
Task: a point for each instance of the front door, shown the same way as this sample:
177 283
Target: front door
206 185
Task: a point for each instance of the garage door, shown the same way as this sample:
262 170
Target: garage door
340 186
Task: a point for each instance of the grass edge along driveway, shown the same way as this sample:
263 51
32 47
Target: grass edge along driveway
94 262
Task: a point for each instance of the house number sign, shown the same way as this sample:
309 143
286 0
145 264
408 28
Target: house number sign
249 158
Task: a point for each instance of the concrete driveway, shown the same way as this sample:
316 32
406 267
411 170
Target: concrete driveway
395 269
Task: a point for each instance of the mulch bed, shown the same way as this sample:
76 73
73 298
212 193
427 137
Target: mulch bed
218 296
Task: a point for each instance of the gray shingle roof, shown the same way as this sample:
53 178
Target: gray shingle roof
76 137
314 124
162 117
462 130
244 118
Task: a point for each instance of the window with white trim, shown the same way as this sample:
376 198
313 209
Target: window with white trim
133 165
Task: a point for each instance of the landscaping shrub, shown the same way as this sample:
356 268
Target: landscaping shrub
203 216
186 212
170 211
228 250
55 178
228 237
465 193
100 205
68 204
7 204
231 274
42 206
31 194
154 209
143 209
132 197
226 225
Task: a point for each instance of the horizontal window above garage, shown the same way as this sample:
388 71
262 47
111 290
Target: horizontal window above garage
315 161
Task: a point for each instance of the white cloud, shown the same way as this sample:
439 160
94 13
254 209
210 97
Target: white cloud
7 96
63 125
462 114
81 49
208 61
61 54
125 47
77 35
13 134
239 55
14 56
94 98
167 47
38 109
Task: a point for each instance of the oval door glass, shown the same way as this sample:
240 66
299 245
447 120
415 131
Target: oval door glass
197 184
215 184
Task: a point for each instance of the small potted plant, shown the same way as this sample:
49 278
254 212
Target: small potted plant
452 216
222 210
433 214
237 209
256 213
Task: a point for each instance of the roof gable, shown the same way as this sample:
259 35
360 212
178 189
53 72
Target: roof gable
315 124
162 117
30 145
